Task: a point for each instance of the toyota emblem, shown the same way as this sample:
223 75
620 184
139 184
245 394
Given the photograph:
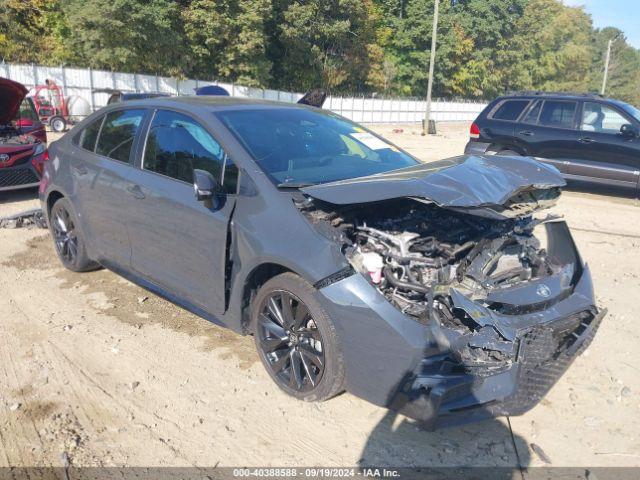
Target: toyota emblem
4 158
543 290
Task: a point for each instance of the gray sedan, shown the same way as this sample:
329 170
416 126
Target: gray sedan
437 290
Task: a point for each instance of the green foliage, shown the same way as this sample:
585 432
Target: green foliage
484 47
227 40
130 35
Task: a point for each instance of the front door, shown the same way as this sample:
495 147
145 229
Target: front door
178 242
604 155
549 131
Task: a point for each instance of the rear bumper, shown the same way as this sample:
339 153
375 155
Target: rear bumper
18 177
476 148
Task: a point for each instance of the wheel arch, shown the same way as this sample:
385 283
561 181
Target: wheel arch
52 197
257 277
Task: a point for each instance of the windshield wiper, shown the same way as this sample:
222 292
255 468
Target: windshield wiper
295 184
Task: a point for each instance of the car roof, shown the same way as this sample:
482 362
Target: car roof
209 103
558 95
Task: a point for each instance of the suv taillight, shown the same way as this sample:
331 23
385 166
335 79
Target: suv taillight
474 131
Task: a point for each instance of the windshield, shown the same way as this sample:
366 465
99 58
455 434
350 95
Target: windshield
633 111
297 146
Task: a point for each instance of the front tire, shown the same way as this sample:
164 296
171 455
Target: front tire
297 340
68 238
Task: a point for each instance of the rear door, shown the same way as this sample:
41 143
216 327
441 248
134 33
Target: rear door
605 156
548 129
499 126
99 165
178 242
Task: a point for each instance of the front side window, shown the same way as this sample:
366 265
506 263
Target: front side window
117 134
295 146
510 110
599 118
558 114
177 144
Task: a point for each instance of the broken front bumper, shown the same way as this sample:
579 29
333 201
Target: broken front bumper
397 362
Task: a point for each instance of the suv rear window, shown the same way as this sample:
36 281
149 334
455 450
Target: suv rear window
557 113
510 110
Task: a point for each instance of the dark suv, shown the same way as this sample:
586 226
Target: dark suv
589 138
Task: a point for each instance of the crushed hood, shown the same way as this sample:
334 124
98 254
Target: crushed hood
11 96
486 185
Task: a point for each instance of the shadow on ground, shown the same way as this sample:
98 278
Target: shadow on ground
397 441
22 195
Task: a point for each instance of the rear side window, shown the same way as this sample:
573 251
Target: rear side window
88 136
558 114
177 144
510 110
533 114
117 134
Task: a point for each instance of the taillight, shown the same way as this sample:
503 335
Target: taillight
474 131
39 159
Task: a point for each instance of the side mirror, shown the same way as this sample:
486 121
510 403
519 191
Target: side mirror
205 185
629 131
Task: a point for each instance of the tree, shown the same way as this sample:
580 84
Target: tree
128 35
227 39
328 43
551 50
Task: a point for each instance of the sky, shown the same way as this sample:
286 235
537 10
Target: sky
623 14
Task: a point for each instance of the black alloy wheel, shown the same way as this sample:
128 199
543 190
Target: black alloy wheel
65 236
290 342
68 238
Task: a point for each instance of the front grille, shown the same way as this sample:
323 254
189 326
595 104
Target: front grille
17 176
545 352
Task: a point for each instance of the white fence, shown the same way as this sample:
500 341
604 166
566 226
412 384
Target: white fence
84 82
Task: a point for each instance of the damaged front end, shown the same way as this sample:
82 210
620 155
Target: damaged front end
502 294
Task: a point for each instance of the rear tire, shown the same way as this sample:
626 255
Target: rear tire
68 239
297 340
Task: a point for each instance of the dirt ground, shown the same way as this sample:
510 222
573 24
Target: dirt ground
99 371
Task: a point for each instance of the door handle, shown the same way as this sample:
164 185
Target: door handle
136 191
80 170
586 140
526 133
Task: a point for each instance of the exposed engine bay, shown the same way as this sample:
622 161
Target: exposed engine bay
11 136
422 258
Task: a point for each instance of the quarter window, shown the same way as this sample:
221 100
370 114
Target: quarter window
558 114
510 110
176 145
88 136
117 134
601 119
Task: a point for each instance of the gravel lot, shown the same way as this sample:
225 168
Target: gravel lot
99 369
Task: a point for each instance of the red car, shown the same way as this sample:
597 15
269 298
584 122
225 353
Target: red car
23 139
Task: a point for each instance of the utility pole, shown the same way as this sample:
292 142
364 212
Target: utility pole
432 61
606 63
